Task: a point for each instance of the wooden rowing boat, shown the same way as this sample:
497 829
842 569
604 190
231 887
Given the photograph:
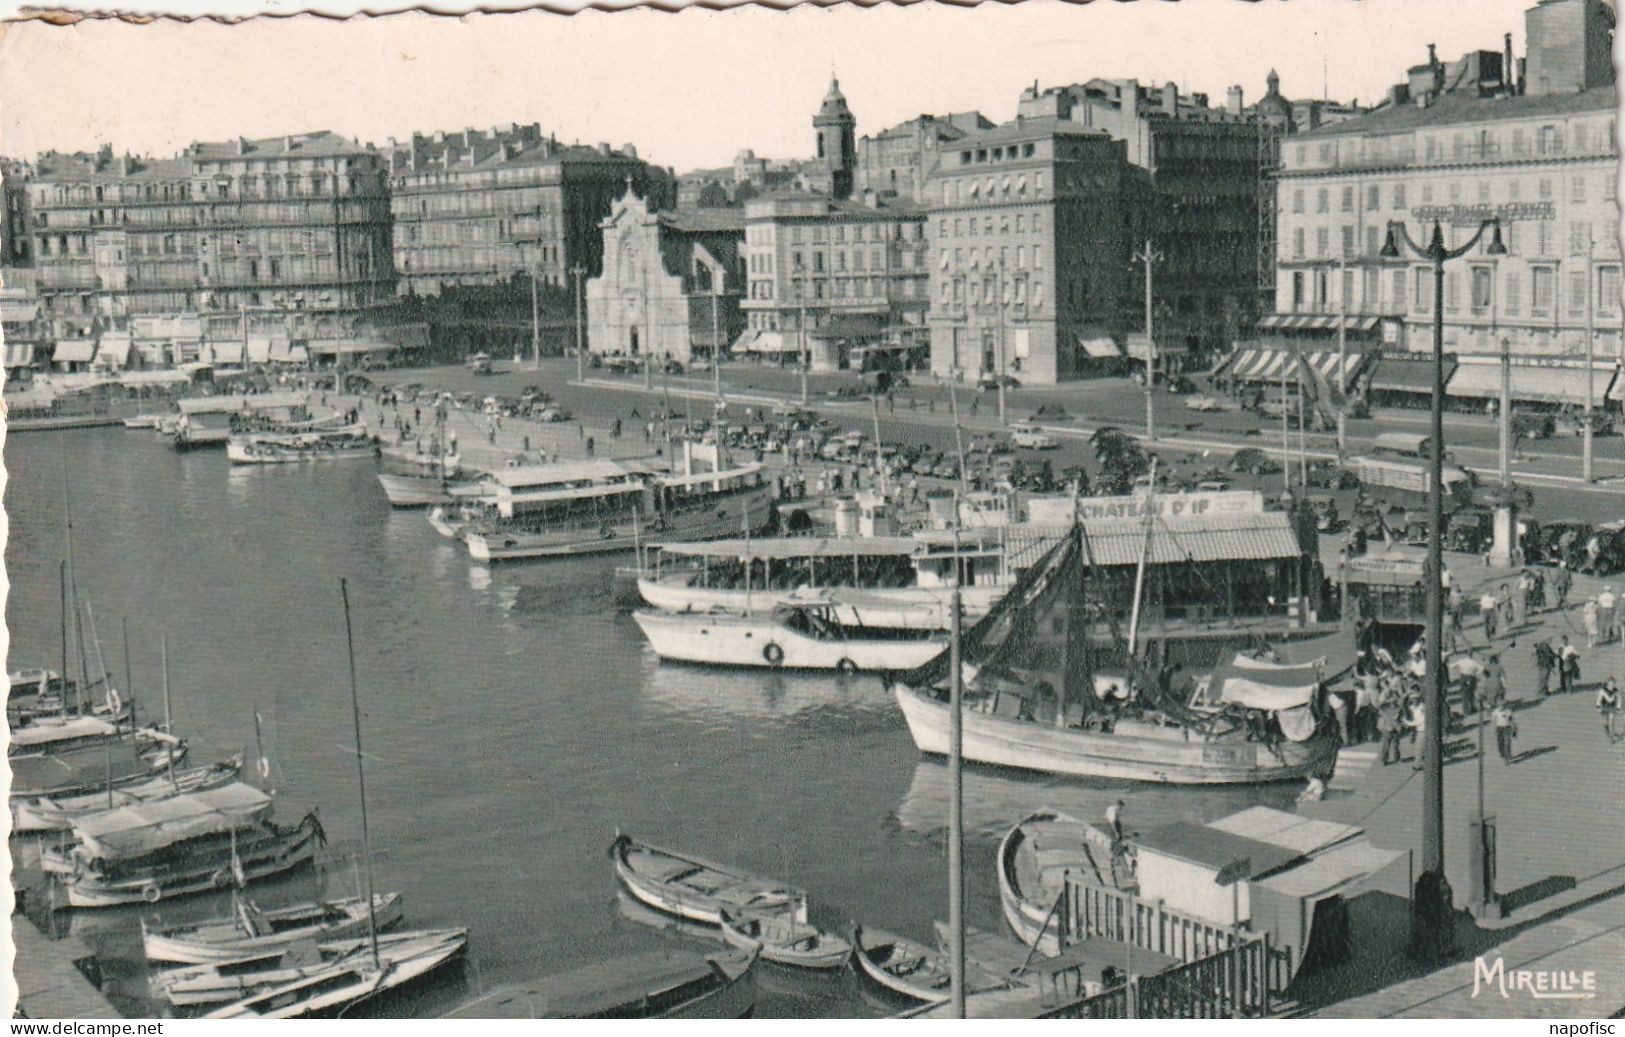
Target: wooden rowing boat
784 940
696 889
250 931
653 985
1035 858
909 969
238 978
351 978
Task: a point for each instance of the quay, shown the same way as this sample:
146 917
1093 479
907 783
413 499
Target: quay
65 422
51 982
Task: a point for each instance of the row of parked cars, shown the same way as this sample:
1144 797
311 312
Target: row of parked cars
532 402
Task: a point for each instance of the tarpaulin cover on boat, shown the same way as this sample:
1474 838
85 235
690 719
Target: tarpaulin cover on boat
144 827
1260 685
79 727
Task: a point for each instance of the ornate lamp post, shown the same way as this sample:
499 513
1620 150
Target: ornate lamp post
1430 901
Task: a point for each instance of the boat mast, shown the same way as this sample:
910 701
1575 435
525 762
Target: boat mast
956 800
129 681
73 590
169 743
360 771
747 554
959 444
1139 573
880 461
62 578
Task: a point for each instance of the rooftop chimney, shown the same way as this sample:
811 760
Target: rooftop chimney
629 151
1508 74
604 148
1233 100
1170 98
287 143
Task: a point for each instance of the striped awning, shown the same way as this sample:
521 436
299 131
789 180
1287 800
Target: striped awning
1565 386
1317 322
19 354
1265 364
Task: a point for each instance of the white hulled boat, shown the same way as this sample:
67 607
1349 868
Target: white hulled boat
350 442
805 636
57 813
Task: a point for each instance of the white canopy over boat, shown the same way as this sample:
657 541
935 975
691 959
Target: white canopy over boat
1257 684
144 827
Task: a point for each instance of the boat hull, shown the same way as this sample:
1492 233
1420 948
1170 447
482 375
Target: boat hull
287 851
873 948
732 640
799 946
198 945
1032 920
239 454
1027 745
345 982
725 516
47 814
693 905
415 491
890 608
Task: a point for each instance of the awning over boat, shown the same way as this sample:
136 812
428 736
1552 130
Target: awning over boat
1408 374
1317 322
1264 364
779 549
1176 539
1099 348
1560 385
1333 870
703 478
144 827
73 351
1260 685
542 476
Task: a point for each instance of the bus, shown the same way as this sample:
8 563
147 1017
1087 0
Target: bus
1399 473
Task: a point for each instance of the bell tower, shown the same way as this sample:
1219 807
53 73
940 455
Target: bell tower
836 130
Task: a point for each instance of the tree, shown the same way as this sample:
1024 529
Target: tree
1121 460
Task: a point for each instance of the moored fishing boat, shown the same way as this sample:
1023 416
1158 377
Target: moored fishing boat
238 978
350 442
1036 856
696 889
56 813
418 490
111 765
356 976
249 931
784 940
792 637
191 843
652 985
910 969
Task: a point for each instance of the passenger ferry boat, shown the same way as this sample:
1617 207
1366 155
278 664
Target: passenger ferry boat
893 582
350 442
592 507
797 637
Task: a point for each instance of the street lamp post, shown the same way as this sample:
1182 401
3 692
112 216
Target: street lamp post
578 272
1430 902
801 335
535 323
1342 358
716 340
1149 256
1591 335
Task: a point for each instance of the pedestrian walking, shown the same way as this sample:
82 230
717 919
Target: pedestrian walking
1591 614
1562 583
1526 594
1503 599
1486 608
1568 665
1417 719
1607 615
1506 729
1457 601
1545 663
1114 818
1469 672
589 446
1608 707
417 415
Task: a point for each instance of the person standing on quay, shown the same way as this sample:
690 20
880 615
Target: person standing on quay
1545 663
1388 725
1503 598
1562 581
1506 729
1486 608
1591 614
1568 665
1608 615
1456 603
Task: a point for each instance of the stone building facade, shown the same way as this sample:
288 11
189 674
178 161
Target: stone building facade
285 237
896 162
671 283
1031 226
855 272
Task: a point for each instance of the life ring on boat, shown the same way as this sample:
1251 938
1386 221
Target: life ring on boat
151 893
773 654
847 666
220 879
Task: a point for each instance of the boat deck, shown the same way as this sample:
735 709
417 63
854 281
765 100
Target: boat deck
49 983
1049 850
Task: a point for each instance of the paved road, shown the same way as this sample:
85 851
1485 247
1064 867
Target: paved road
1189 442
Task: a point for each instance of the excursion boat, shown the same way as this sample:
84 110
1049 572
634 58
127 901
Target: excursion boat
652 985
1270 725
903 582
910 969
238 978
192 843
1035 858
340 444
251 932
419 477
351 977
791 636
695 889
57 813
784 940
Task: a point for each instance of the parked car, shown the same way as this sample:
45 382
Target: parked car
553 414
1031 437
1331 475
990 382
1204 403
1573 423
1253 461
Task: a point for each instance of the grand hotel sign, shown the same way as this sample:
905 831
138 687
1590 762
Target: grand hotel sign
1458 215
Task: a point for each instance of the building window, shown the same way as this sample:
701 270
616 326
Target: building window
1297 243
1514 293
1322 286
1398 298
1450 294
1608 291
1373 197
1577 189
1371 291
1399 196
1423 301
1372 246
1577 293
1322 238
1483 190
1297 290
1483 280
1544 283
1427 193
1348 242
1323 200
1348 198
1297 200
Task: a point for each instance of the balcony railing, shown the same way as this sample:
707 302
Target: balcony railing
1476 153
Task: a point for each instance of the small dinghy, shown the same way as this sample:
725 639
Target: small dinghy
912 970
784 940
1037 855
250 932
232 980
695 889
351 977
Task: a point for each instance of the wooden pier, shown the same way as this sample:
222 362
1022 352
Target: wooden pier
50 983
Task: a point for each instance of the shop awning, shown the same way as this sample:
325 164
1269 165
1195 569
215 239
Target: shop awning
73 351
1560 385
346 347
1099 348
19 354
1317 322
1171 347
258 351
1267 364
18 311
768 342
113 352
1406 374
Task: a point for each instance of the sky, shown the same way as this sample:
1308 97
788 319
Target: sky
691 88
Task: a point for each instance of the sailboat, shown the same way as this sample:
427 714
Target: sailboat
1033 645
363 971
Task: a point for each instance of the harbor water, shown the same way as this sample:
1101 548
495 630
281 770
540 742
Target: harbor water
513 718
